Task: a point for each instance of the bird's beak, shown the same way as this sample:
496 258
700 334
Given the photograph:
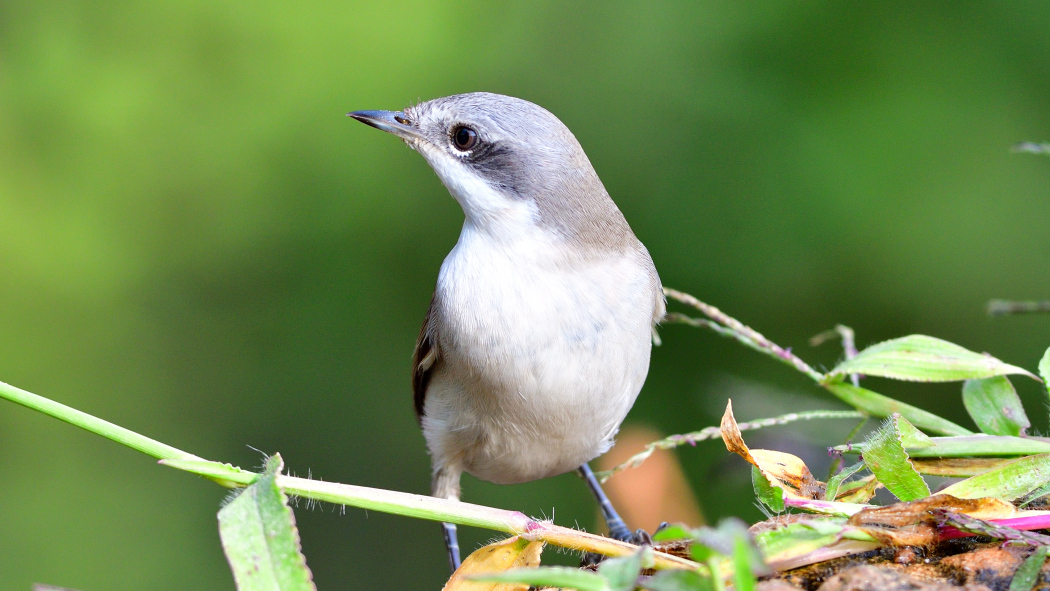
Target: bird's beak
394 122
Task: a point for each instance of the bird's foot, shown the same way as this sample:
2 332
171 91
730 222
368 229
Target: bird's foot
640 537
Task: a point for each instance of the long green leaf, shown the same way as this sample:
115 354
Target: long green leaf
549 576
881 406
1031 497
1027 574
260 539
911 437
743 578
994 406
920 358
885 456
785 543
766 492
983 446
1009 482
996 446
621 574
836 481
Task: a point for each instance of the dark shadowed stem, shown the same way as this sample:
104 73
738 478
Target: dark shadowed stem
1006 307
849 345
726 325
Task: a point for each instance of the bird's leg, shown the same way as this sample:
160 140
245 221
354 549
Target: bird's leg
617 528
452 545
446 486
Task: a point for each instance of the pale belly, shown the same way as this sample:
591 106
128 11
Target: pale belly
538 366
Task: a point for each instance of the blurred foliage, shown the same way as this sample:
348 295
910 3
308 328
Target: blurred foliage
197 245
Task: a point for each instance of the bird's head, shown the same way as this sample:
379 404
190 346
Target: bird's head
507 162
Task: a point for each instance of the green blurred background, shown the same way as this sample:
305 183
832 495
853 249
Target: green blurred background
195 243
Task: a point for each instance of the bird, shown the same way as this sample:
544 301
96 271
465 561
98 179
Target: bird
539 332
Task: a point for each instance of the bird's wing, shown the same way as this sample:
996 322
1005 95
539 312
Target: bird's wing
422 362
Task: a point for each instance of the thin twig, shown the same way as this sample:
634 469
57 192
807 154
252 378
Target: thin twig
728 326
1007 307
849 345
1033 148
693 438
836 464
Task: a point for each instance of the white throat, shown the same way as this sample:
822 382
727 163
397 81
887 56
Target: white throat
486 208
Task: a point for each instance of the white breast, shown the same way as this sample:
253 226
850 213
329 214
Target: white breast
541 355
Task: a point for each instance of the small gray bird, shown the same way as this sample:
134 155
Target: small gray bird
538 335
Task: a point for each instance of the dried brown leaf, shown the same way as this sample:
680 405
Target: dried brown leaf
783 470
958 467
911 524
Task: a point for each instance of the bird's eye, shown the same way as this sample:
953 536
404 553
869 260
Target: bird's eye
464 138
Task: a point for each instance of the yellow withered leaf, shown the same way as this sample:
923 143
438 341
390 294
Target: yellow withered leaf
783 470
512 552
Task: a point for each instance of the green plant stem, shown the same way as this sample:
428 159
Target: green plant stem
95 425
849 344
432 508
399 503
859 398
716 573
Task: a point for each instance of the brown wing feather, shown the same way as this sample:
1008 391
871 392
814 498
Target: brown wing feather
423 361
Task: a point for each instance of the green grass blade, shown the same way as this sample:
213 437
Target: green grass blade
920 358
1028 573
768 494
260 538
836 481
881 406
786 543
743 578
621 574
1009 482
885 456
994 406
549 576
996 446
1035 494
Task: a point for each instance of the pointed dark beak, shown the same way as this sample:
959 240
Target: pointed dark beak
394 122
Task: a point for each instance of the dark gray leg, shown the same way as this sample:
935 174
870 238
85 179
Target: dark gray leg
617 528
452 544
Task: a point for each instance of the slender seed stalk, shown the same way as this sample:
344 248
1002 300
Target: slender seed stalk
729 326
